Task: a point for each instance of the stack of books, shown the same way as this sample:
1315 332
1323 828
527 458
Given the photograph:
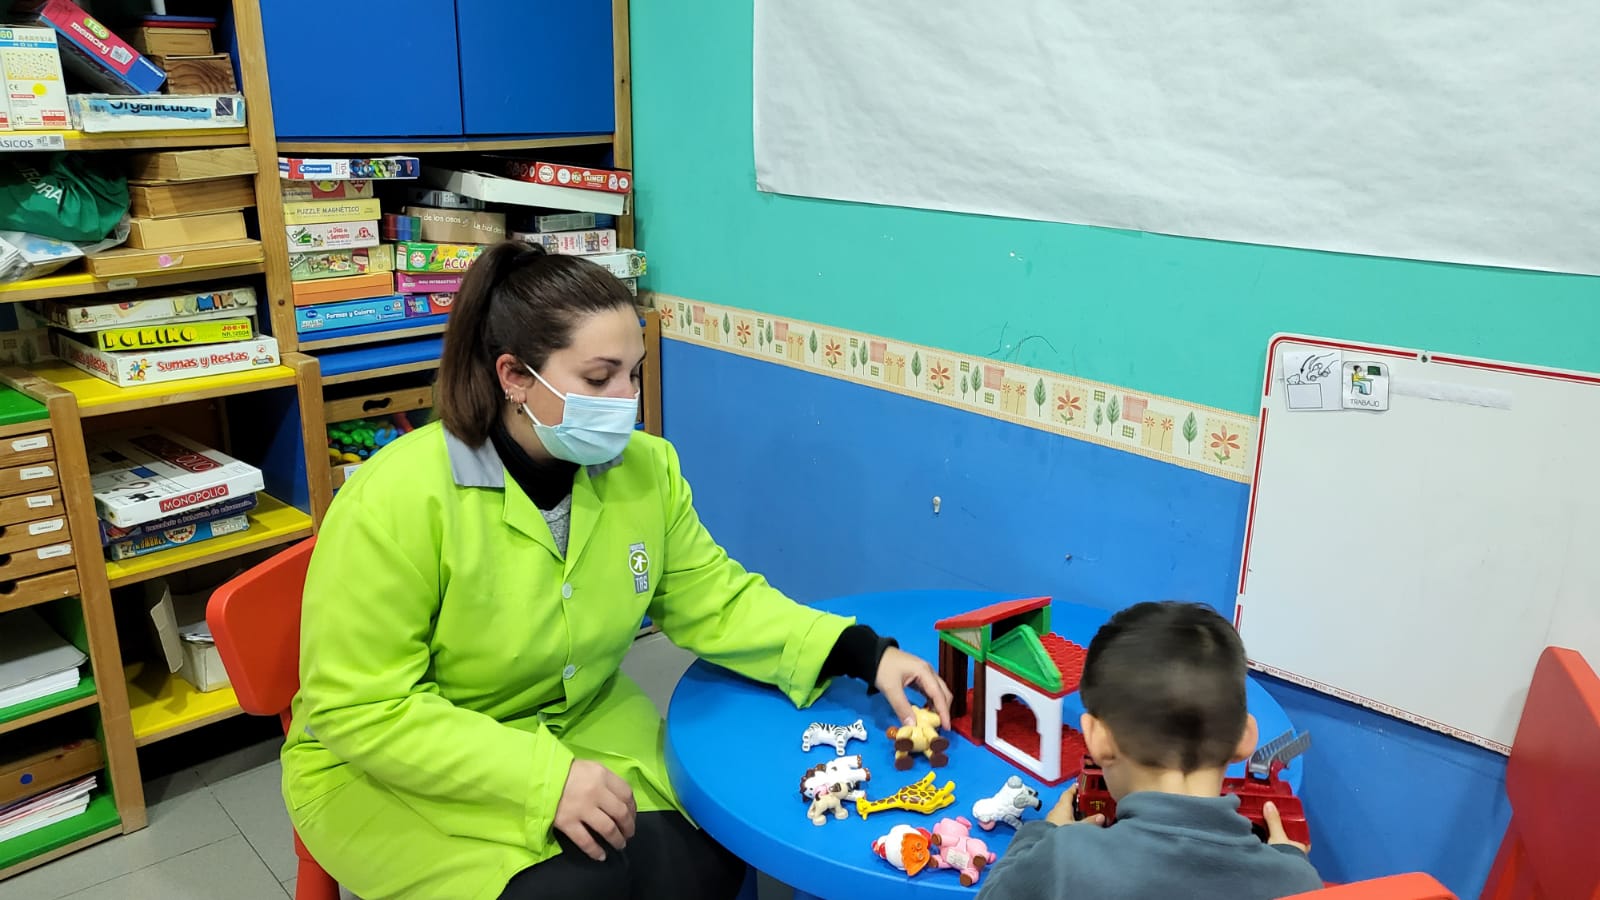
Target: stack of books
35 662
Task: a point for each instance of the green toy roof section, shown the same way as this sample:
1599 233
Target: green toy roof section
16 406
1021 653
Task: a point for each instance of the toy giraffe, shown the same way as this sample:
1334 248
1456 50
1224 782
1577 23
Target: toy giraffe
919 796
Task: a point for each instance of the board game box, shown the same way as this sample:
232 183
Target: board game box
140 475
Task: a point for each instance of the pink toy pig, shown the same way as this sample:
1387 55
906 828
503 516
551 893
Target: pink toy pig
957 849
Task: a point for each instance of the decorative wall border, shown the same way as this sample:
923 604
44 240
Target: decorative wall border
1197 437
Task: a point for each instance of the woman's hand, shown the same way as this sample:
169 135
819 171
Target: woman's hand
595 800
898 670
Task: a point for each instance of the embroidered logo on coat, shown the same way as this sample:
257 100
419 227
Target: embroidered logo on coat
639 565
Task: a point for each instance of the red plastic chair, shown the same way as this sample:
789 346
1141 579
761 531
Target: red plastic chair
1551 850
255 619
1411 886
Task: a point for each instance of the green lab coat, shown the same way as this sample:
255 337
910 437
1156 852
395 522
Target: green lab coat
453 663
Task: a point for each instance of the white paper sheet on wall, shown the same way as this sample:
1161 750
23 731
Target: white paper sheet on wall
1427 130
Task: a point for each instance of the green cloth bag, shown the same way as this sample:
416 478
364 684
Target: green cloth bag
66 196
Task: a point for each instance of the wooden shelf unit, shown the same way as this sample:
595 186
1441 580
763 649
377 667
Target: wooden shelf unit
148 140
82 284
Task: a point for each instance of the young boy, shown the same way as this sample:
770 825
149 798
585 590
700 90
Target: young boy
1164 691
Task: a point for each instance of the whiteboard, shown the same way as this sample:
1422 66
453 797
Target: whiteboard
1417 560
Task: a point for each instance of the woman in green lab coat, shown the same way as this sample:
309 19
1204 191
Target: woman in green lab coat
463 730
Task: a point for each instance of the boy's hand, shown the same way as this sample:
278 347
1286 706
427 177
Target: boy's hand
1064 809
1275 832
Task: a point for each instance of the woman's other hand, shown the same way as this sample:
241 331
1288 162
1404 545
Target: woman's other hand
595 802
898 670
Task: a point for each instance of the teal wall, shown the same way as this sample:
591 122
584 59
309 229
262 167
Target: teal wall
1173 316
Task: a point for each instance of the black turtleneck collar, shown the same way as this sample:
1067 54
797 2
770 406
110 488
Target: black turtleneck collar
546 482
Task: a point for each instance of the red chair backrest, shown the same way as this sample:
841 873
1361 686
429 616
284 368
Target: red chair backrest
1551 849
255 619
1411 886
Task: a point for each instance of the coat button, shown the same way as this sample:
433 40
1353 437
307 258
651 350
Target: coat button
569 671
566 591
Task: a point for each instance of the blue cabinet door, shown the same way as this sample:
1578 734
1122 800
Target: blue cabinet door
340 69
536 66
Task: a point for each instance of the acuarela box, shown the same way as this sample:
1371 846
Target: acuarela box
332 236
412 256
30 72
175 364
92 52
139 475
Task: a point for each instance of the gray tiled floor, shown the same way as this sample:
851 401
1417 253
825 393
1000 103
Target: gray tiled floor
219 829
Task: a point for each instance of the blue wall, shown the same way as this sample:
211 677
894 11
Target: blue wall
826 487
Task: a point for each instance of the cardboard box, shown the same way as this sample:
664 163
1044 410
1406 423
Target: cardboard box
294 191
187 647
209 73
332 236
339 263
561 221
139 475
334 316
111 534
92 52
413 256
418 305
293 168
177 231
623 263
191 198
495 189
101 113
581 177
322 212
180 536
158 366
156 40
30 73
33 764
337 290
193 165
188 334
442 199
133 261
25 346
411 283
459 226
151 309
572 243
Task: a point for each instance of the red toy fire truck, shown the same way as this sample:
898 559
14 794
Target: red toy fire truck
1261 783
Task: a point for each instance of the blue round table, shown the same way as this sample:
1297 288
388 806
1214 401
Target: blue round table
733 753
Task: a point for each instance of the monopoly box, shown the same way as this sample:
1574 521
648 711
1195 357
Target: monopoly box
140 475
126 369
153 310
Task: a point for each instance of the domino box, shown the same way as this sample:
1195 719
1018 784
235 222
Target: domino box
338 263
143 474
92 52
126 369
332 236
353 314
149 337
350 168
203 530
111 534
100 113
30 73
151 310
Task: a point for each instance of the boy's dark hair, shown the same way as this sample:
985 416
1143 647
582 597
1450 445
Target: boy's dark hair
1168 679
519 300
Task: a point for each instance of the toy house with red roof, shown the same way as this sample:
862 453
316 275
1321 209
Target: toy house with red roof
1021 671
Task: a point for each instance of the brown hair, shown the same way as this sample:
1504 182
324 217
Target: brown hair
516 299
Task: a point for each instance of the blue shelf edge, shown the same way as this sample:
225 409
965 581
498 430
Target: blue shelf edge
379 356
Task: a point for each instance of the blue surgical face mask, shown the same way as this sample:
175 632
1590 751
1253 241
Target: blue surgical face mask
592 430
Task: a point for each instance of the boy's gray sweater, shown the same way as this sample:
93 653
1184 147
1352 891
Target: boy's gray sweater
1162 847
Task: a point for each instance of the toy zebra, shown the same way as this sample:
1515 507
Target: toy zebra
839 736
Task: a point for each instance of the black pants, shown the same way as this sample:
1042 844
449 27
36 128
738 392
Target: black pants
668 859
